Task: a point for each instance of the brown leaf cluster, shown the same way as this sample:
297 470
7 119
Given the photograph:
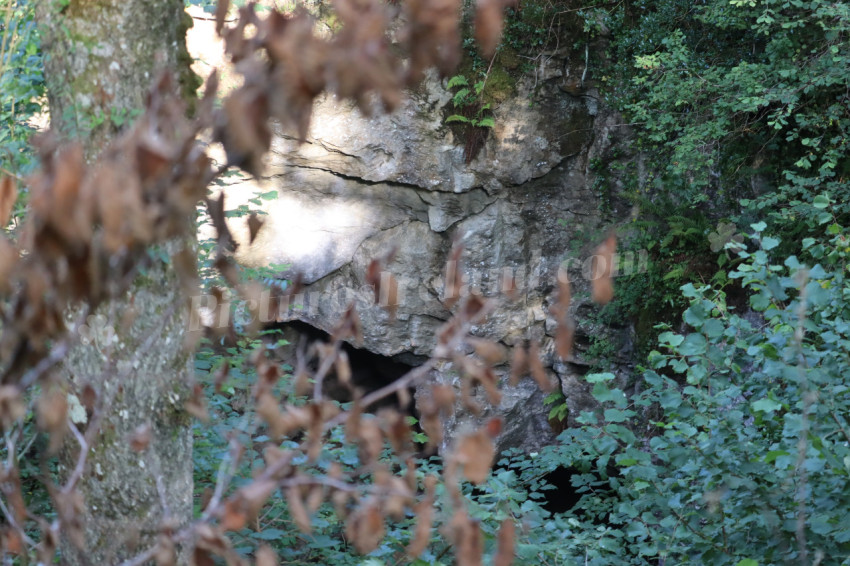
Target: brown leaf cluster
526 360
90 223
287 65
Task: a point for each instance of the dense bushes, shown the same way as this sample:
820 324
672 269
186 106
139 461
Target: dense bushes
742 454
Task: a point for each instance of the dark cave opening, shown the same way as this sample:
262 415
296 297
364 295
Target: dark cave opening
369 371
564 495
571 484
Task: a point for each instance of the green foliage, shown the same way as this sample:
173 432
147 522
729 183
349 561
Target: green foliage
676 239
21 85
559 408
472 117
737 448
467 100
535 25
743 100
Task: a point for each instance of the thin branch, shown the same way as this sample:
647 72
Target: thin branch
81 460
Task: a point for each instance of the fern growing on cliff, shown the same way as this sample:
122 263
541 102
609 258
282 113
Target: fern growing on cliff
473 117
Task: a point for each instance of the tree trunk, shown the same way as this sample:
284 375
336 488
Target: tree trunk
101 57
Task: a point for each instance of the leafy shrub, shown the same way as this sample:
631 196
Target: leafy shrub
737 449
21 85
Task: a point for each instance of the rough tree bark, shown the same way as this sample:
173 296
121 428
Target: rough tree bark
101 57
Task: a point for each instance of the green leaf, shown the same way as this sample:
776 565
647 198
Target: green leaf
747 562
457 118
269 534
693 345
766 405
768 243
486 122
774 454
459 98
671 339
599 377
457 80
616 415
821 201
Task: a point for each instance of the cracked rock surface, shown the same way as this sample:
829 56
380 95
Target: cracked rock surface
362 186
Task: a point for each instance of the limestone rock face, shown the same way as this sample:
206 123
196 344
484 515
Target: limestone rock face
360 187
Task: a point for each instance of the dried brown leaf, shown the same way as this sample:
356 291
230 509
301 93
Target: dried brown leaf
366 528
11 488
444 397
538 372
196 405
152 162
141 437
298 511
489 21
473 307
343 368
476 452
8 261
88 398
564 336
268 409
491 352
519 364
8 195
70 508
603 265
397 430
255 495
465 534
506 552
266 556
234 516
52 415
245 133
12 406
494 427
315 498
432 36
202 557
424 512
165 553
254 224
220 14
11 541
371 440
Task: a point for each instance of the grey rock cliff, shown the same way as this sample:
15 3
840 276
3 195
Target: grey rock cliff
361 186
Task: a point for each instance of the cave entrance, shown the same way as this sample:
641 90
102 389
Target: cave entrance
369 371
570 484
